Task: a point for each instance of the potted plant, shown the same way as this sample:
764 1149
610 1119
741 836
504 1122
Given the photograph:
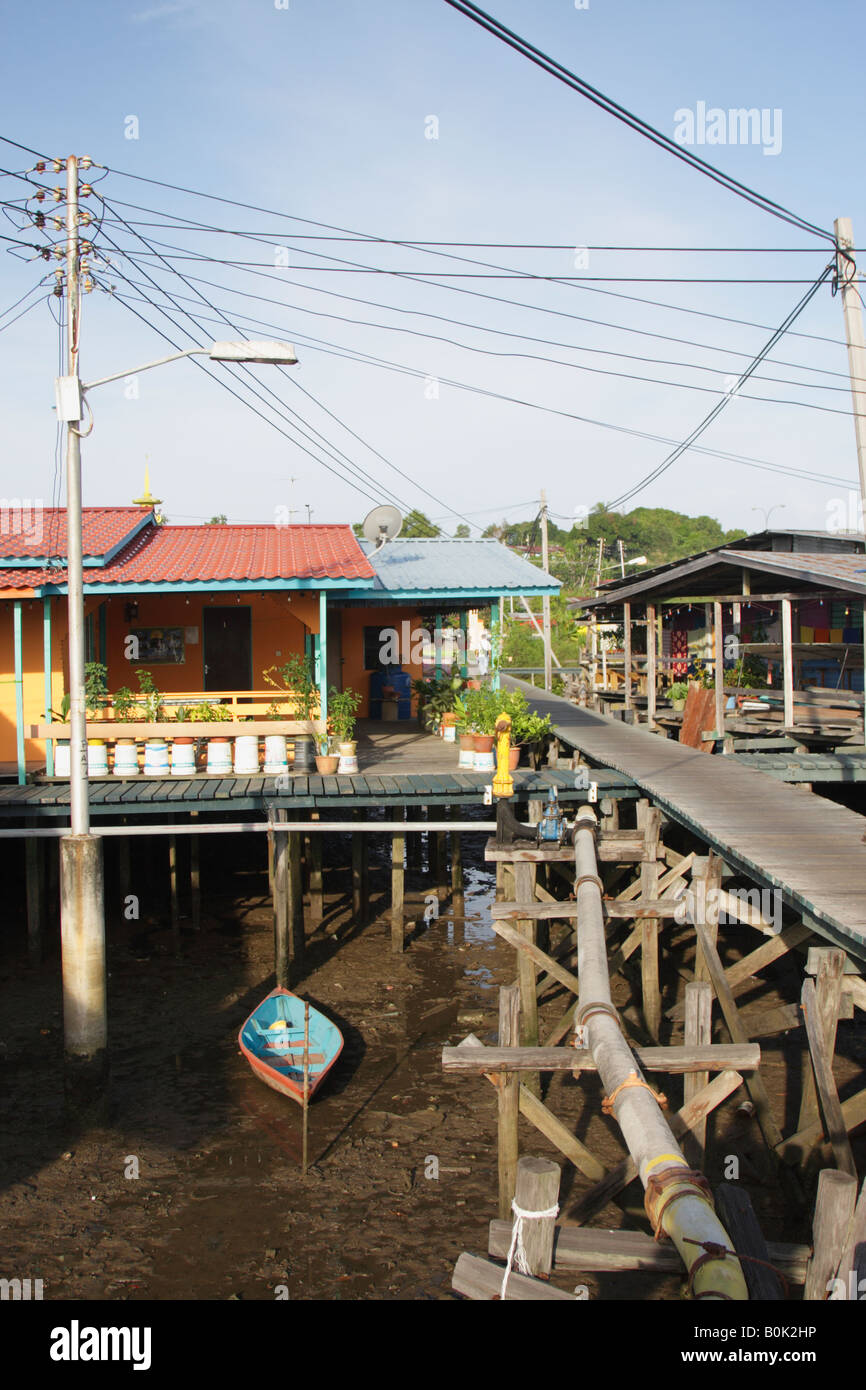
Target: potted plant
296 682
125 749
465 736
95 700
327 761
342 709
678 693
61 745
219 747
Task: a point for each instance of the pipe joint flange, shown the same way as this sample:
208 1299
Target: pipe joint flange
667 1187
599 1006
588 878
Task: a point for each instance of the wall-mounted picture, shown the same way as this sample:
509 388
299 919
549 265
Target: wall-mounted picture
159 645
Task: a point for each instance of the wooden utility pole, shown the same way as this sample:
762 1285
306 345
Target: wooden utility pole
545 602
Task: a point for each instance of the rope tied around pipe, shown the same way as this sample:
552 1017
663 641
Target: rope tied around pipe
688 1183
714 1251
632 1080
517 1250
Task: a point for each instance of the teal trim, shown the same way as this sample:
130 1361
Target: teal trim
464 628
19 693
323 656
495 620
47 670
470 596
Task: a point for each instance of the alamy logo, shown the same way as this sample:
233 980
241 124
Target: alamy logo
77 1343
737 126
22 516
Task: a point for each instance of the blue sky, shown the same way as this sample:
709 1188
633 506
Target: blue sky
321 111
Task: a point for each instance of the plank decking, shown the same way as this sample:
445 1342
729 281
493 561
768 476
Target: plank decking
805 846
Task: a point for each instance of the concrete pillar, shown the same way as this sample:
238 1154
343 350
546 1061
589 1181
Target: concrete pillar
82 937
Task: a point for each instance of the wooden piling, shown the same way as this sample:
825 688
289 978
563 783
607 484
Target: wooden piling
537 1189
698 1031
398 878
295 904
457 882
282 953
828 986
834 1209
195 882
174 909
738 1217
34 874
317 895
508 1100
649 820
526 970
360 890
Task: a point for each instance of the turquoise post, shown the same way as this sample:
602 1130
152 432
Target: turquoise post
496 653
323 655
19 694
47 672
437 645
464 626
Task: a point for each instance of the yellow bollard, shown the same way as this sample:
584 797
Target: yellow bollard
502 782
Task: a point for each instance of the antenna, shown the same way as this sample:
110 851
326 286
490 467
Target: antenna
382 524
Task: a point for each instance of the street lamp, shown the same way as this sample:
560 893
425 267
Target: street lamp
82 908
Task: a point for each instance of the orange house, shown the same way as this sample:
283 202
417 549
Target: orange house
207 609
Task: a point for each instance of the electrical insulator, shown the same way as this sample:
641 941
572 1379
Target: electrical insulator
85 162
59 253
86 247
57 165
39 167
58 290
85 217
40 196
39 219
58 223
58 195
85 190
45 253
87 284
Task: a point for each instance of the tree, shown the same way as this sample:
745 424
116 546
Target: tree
462 532
415 523
220 520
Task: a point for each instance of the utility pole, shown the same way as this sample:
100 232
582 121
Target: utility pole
545 602
848 288
82 911
309 512
598 563
621 558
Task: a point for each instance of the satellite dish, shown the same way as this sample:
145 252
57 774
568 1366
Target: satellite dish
382 524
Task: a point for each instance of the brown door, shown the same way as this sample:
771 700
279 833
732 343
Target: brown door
227 649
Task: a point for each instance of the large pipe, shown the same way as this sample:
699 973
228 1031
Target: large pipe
676 1205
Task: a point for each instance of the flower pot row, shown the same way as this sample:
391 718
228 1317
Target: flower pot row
476 753
225 755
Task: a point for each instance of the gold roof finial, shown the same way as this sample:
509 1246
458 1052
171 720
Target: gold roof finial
146 500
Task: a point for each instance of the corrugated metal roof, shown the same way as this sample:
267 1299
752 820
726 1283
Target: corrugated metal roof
440 564
219 554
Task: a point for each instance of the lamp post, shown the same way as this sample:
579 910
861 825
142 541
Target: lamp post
82 911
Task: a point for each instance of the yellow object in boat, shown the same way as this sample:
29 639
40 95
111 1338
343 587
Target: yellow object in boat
278 1023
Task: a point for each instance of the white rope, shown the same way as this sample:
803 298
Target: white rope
517 1251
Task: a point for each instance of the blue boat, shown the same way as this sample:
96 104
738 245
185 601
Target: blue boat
272 1040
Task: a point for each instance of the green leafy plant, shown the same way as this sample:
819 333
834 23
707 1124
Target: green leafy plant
679 690
438 695
62 715
296 682
123 703
206 713
152 704
95 686
702 674
342 708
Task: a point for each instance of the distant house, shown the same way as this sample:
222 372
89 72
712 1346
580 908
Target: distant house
207 608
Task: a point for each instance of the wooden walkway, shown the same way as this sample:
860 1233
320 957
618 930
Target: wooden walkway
808 848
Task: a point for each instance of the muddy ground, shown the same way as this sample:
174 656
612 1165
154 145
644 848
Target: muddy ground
191 1187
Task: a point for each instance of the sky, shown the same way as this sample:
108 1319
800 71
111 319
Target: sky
461 395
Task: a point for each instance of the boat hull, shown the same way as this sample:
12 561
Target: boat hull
272 1041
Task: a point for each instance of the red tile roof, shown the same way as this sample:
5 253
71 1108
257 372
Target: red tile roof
32 532
200 554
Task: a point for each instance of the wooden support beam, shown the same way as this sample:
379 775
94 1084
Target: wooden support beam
282 950
359 872
737 1215
706 882
174 910
523 890
317 895
681 1124
481 1280
526 947
508 1100
851 1273
830 966
195 880
398 879
651 998
698 1032
797 1146
457 881
675 1061
834 1209
295 898
822 1067
567 910
588 1250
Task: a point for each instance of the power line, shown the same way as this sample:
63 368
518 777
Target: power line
621 113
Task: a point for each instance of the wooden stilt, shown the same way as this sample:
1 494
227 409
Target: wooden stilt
281 901
195 882
526 970
398 848
834 1209
359 873
831 967
297 938
698 1031
706 879
34 872
537 1189
317 896
172 890
306 1086
508 1100
649 880
413 842
458 901
825 1084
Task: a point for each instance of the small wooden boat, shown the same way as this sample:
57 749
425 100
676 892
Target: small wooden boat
272 1040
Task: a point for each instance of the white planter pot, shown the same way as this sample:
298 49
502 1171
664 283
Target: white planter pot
182 759
219 757
246 763
275 755
449 733
126 758
61 758
156 758
97 758
484 762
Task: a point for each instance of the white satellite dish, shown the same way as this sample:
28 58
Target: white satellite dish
382 524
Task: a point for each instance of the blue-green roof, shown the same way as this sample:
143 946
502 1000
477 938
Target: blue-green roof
443 567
